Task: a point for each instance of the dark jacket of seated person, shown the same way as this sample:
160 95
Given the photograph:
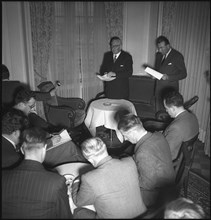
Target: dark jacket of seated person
13 122
65 152
11 87
29 190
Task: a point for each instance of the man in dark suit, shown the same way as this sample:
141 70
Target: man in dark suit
117 65
13 122
112 187
68 152
29 190
170 63
185 125
153 159
11 87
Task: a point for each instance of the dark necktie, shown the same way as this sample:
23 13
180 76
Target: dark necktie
163 59
115 56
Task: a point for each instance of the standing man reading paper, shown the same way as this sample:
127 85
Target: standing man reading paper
170 63
117 64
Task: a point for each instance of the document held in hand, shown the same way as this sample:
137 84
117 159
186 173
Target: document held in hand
154 73
65 137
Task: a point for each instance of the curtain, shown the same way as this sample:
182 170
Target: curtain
79 44
114 19
187 26
42 18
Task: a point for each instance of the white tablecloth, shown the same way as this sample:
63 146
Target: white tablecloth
75 169
102 112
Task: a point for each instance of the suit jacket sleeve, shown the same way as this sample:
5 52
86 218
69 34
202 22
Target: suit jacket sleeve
37 121
174 66
62 202
82 193
174 138
146 164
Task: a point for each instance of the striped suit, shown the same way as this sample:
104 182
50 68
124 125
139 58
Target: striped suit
30 191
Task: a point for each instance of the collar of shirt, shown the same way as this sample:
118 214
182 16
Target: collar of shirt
104 160
142 135
13 143
179 113
117 55
167 53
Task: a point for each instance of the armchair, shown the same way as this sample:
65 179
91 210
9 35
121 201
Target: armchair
142 95
60 111
183 163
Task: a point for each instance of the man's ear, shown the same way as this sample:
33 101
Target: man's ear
17 133
22 151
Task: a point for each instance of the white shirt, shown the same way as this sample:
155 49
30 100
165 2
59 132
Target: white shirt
117 55
179 113
167 53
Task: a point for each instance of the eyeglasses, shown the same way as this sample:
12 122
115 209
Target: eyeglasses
112 46
32 106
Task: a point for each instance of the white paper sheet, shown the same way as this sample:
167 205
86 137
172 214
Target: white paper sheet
106 78
154 73
65 137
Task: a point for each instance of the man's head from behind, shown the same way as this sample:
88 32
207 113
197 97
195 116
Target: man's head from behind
183 208
5 74
131 127
34 144
94 150
115 45
13 123
173 103
25 100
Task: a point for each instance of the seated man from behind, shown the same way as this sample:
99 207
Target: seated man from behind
153 159
183 208
29 190
184 126
112 187
13 123
66 152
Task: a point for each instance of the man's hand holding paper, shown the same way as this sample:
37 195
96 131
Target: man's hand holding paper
154 73
107 76
165 77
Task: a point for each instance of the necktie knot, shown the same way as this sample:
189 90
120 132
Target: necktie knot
163 59
115 56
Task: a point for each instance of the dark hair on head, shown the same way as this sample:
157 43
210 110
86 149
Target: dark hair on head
173 98
14 120
34 135
128 121
5 74
23 94
162 39
114 38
